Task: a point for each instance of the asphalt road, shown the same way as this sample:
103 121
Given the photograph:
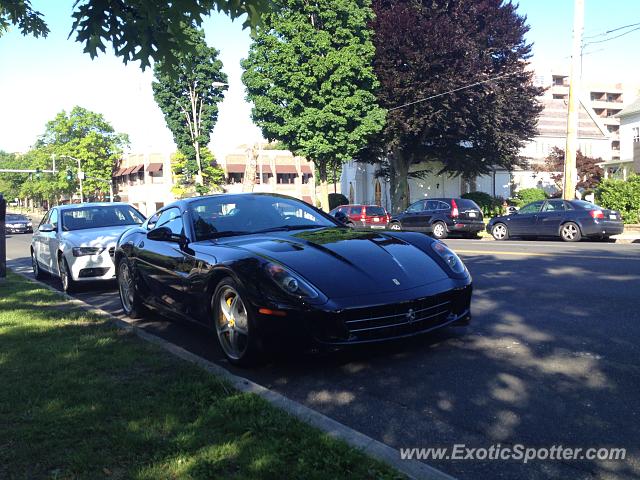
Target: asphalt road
551 358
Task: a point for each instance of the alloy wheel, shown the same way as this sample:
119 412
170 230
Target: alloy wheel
64 274
35 266
126 287
570 232
438 230
395 226
499 231
232 324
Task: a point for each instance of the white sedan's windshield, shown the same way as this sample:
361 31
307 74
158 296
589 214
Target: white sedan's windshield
247 214
83 218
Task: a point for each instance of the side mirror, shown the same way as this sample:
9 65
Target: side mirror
160 234
46 227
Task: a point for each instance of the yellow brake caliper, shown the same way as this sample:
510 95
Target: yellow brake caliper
232 321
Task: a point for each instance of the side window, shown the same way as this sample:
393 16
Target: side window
554 206
45 219
171 218
53 218
531 208
444 206
356 210
432 204
416 207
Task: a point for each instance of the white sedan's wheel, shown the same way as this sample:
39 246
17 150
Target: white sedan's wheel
37 272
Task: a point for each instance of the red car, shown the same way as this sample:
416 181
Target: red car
364 216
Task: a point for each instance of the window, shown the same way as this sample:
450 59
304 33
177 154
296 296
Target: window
172 219
554 206
417 207
235 178
53 218
636 134
531 208
374 210
306 177
356 210
286 178
432 205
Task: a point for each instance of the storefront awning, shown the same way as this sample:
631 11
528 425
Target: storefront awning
154 167
286 169
235 167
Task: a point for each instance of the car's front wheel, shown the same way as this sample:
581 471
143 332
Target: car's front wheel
234 324
570 232
500 231
69 285
130 299
37 272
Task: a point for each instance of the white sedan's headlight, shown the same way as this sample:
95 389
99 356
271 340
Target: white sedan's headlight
29 224
83 251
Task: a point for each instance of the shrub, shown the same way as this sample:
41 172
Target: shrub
621 195
528 195
337 199
489 205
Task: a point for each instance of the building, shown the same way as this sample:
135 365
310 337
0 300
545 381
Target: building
629 160
144 181
276 171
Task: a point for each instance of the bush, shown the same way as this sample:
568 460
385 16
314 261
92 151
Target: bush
489 205
528 195
337 199
621 195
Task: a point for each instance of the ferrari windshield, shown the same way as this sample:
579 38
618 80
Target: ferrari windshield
227 215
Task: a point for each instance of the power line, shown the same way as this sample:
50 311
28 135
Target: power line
452 91
611 38
612 30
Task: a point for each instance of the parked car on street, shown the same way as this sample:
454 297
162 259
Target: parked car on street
16 223
75 242
263 280
363 216
570 220
441 217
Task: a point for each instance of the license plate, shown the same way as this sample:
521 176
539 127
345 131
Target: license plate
376 219
613 217
472 214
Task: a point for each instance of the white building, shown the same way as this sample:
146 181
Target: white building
629 161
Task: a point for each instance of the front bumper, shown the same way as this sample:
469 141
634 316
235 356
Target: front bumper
18 229
352 321
91 268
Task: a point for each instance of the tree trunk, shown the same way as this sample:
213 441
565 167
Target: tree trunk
399 181
324 188
335 175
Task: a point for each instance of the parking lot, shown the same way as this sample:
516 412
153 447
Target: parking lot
550 359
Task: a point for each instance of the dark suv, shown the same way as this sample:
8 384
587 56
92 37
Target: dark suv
441 216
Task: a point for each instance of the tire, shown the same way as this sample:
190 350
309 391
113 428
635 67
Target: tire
234 323
439 230
395 226
37 271
500 232
132 304
570 232
69 285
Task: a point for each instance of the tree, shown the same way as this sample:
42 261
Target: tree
188 92
139 30
182 169
430 49
589 173
310 79
87 136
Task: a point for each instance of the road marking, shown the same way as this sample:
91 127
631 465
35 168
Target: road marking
532 254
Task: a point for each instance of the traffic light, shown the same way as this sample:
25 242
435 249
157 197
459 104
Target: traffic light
38 172
69 174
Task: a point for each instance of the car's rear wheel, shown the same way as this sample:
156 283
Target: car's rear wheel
439 230
37 271
500 231
570 232
395 226
130 299
69 285
234 323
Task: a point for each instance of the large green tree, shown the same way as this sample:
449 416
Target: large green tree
432 50
188 92
89 137
139 30
310 79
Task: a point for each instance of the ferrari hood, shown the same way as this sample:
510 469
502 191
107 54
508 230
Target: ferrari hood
344 262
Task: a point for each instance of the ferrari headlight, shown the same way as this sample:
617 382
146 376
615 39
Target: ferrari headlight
449 257
83 251
290 282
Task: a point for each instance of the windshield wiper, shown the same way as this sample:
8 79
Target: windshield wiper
227 233
288 228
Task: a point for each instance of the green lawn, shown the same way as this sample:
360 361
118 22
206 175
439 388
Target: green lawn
82 399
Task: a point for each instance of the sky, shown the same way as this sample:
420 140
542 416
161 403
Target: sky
41 77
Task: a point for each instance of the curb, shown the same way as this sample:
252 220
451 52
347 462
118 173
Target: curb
411 468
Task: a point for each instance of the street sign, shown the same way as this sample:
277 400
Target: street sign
81 175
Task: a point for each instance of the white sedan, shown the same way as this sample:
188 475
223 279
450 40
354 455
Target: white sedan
75 242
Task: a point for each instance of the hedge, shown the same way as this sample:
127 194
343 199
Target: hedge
621 195
528 195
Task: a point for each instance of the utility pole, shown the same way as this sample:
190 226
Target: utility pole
570 174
